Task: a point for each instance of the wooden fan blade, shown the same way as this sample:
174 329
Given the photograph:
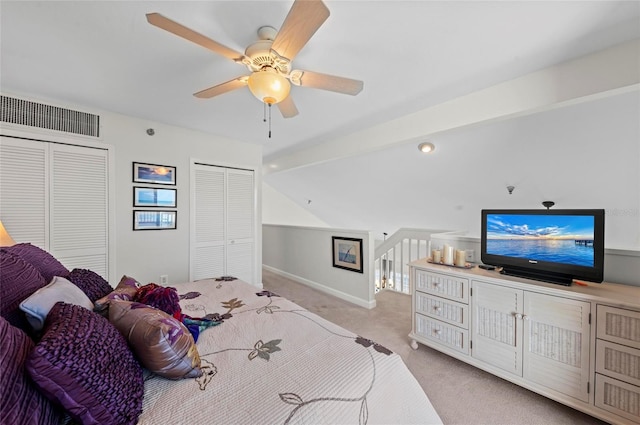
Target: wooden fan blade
287 107
188 34
330 82
234 84
303 20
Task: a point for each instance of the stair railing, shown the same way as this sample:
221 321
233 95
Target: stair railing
393 255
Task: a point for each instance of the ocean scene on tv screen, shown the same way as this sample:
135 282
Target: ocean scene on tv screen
566 239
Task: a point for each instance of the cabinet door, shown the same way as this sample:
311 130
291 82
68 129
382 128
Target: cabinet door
556 343
497 326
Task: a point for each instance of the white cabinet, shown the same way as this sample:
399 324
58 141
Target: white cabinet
441 309
543 338
618 361
577 345
497 326
557 343
223 215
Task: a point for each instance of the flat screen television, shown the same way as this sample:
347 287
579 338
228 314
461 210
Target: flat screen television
555 246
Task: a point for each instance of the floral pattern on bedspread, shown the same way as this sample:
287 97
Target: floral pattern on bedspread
264 350
272 361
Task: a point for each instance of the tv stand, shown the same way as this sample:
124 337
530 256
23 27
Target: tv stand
557 278
578 345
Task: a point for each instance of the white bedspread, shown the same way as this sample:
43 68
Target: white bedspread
273 362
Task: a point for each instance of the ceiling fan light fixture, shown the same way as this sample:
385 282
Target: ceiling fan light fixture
268 86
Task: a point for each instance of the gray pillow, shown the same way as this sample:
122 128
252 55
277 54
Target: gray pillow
38 304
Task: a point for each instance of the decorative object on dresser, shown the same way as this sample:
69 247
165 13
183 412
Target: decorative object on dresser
578 345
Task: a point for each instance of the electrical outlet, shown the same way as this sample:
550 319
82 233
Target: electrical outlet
164 279
470 254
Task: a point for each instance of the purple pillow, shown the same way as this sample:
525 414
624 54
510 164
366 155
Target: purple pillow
44 262
18 280
83 363
91 283
20 401
126 290
162 343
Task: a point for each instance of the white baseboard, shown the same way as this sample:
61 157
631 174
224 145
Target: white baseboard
320 287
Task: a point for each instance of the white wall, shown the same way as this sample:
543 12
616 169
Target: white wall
279 209
145 255
305 255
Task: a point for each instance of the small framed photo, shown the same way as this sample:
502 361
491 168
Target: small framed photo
154 197
347 253
153 173
154 220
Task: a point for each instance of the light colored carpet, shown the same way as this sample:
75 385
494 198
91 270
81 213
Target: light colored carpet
460 393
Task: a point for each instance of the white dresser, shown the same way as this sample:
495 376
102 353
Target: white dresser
578 345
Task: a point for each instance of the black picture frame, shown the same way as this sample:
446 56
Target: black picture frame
155 220
347 253
154 173
155 197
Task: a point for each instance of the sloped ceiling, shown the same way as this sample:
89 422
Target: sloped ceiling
582 156
411 55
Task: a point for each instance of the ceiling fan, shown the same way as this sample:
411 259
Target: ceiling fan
269 59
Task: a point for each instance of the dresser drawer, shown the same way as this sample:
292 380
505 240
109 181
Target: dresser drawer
448 335
440 308
619 325
618 397
618 361
442 285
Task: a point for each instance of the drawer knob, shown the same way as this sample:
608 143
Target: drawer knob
436 308
437 331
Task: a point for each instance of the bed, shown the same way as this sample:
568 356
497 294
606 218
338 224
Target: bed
259 358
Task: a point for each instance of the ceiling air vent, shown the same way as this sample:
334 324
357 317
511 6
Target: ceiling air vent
33 114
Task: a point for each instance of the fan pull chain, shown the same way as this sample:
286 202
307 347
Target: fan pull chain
264 112
269 121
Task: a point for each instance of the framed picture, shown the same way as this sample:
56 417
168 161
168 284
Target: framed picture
154 220
347 253
154 197
153 173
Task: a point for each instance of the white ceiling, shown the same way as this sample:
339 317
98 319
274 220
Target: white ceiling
410 55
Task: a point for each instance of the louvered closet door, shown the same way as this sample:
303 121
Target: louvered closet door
208 229
223 223
240 224
55 196
79 207
24 202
